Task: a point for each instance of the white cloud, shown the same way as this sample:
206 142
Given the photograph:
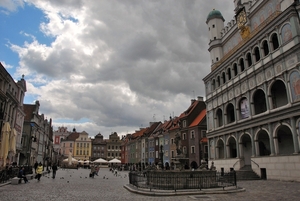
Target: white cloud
117 63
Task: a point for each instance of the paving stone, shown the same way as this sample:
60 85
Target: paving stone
75 185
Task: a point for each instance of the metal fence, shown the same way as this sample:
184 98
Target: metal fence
169 180
9 173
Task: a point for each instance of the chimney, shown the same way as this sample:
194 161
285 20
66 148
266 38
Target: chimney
200 98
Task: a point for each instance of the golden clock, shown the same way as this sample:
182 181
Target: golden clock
241 19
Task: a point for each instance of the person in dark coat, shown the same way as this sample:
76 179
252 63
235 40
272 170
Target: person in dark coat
22 175
35 166
54 169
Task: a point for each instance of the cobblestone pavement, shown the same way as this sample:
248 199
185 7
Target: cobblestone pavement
75 185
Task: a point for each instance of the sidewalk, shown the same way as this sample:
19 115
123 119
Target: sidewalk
153 192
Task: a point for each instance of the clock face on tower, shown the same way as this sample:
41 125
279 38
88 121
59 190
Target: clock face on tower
241 19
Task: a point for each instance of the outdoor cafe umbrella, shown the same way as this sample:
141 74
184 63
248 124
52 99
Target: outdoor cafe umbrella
4 142
100 160
114 161
12 141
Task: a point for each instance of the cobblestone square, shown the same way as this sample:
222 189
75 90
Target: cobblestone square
76 185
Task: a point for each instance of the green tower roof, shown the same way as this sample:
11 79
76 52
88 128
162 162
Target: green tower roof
214 14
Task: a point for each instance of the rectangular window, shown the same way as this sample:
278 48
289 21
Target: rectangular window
203 133
88 145
156 142
192 134
156 154
70 144
64 144
172 153
192 149
77 152
80 152
184 124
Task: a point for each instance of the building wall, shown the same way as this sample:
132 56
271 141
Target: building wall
252 107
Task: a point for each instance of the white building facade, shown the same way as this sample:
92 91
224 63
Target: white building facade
253 89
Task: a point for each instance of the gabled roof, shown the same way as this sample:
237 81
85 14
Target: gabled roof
138 134
190 109
199 118
174 123
151 129
28 110
72 137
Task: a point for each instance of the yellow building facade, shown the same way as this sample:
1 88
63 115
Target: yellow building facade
83 147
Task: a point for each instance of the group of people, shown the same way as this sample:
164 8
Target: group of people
38 168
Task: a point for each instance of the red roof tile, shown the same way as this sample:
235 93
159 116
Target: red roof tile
199 118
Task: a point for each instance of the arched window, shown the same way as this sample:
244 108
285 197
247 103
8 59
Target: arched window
249 59
257 54
265 48
219 118
275 41
223 77
230 113
259 100
213 84
278 94
229 73
218 81
242 65
235 70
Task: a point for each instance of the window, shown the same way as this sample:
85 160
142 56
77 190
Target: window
112 147
172 154
249 59
192 149
203 133
275 41
184 136
77 152
257 54
64 145
70 144
229 73
172 140
235 69
192 135
156 154
184 123
80 152
184 150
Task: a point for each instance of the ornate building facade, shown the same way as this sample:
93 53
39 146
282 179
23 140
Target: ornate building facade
253 89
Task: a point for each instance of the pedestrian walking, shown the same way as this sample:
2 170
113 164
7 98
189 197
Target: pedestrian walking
35 166
92 174
54 169
22 175
39 171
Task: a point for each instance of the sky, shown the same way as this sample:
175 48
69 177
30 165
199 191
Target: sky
108 65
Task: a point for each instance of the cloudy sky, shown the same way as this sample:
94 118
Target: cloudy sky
108 65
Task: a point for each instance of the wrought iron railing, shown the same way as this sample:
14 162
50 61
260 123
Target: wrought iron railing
171 180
